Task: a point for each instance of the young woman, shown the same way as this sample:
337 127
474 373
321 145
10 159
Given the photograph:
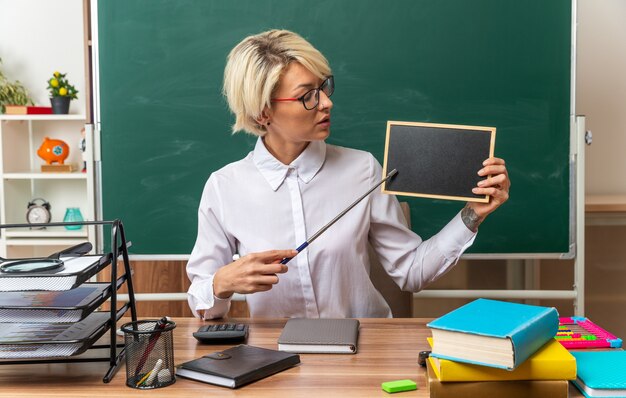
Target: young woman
279 86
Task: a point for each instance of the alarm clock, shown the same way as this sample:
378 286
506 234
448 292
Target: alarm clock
38 211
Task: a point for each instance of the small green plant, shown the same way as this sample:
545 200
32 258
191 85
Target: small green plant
12 93
60 87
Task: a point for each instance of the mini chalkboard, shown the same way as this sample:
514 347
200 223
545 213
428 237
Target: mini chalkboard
436 160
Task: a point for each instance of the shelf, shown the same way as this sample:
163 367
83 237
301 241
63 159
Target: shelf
51 232
42 117
75 175
21 180
605 203
39 242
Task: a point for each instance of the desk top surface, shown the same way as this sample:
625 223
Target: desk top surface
388 350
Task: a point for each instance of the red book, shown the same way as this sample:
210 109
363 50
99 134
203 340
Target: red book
27 110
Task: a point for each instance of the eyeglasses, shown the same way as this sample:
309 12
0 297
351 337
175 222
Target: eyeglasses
311 98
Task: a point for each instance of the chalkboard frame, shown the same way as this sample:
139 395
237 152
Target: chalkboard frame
392 155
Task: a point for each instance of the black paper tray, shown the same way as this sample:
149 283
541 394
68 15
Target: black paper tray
67 279
74 340
54 307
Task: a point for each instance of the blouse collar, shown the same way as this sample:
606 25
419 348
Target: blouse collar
306 165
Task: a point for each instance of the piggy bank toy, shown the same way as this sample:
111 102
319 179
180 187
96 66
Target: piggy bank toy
52 150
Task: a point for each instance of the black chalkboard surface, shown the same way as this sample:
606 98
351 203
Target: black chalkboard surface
437 161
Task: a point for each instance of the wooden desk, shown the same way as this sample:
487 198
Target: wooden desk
388 350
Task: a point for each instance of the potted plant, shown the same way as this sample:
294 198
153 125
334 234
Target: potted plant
12 93
61 93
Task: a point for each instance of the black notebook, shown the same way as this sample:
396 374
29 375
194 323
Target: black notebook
237 366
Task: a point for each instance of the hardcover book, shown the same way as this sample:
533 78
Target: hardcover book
495 389
493 333
27 110
321 336
237 366
550 362
601 373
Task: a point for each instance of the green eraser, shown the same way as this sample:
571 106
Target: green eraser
399 386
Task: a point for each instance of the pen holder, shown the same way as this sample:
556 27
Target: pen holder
149 353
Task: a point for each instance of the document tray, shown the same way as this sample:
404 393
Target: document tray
76 271
53 307
52 340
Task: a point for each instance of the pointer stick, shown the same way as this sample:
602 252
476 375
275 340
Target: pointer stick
325 227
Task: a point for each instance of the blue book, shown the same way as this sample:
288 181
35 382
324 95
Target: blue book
493 333
601 373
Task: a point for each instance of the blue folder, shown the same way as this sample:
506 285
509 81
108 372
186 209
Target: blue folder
601 372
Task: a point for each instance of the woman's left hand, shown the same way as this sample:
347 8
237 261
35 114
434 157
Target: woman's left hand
497 186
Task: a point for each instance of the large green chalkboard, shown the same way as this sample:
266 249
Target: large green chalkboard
505 63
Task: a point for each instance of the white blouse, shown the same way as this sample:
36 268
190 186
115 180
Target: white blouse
258 204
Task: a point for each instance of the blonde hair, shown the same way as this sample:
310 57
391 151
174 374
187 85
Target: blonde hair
253 69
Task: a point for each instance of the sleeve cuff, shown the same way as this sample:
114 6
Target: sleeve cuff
455 238
203 303
217 300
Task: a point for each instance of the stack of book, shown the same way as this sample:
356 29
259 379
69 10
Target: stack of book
27 110
498 349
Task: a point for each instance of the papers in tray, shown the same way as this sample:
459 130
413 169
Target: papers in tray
76 270
54 307
45 340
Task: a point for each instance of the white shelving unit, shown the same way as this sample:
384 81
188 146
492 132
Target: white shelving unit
21 180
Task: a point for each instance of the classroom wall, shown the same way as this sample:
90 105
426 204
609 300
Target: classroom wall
601 92
51 38
38 37
601 96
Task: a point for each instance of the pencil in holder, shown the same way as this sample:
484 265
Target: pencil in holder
149 353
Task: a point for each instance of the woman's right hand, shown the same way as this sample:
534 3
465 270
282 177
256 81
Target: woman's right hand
255 272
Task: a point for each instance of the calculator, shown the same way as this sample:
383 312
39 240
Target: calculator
222 333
